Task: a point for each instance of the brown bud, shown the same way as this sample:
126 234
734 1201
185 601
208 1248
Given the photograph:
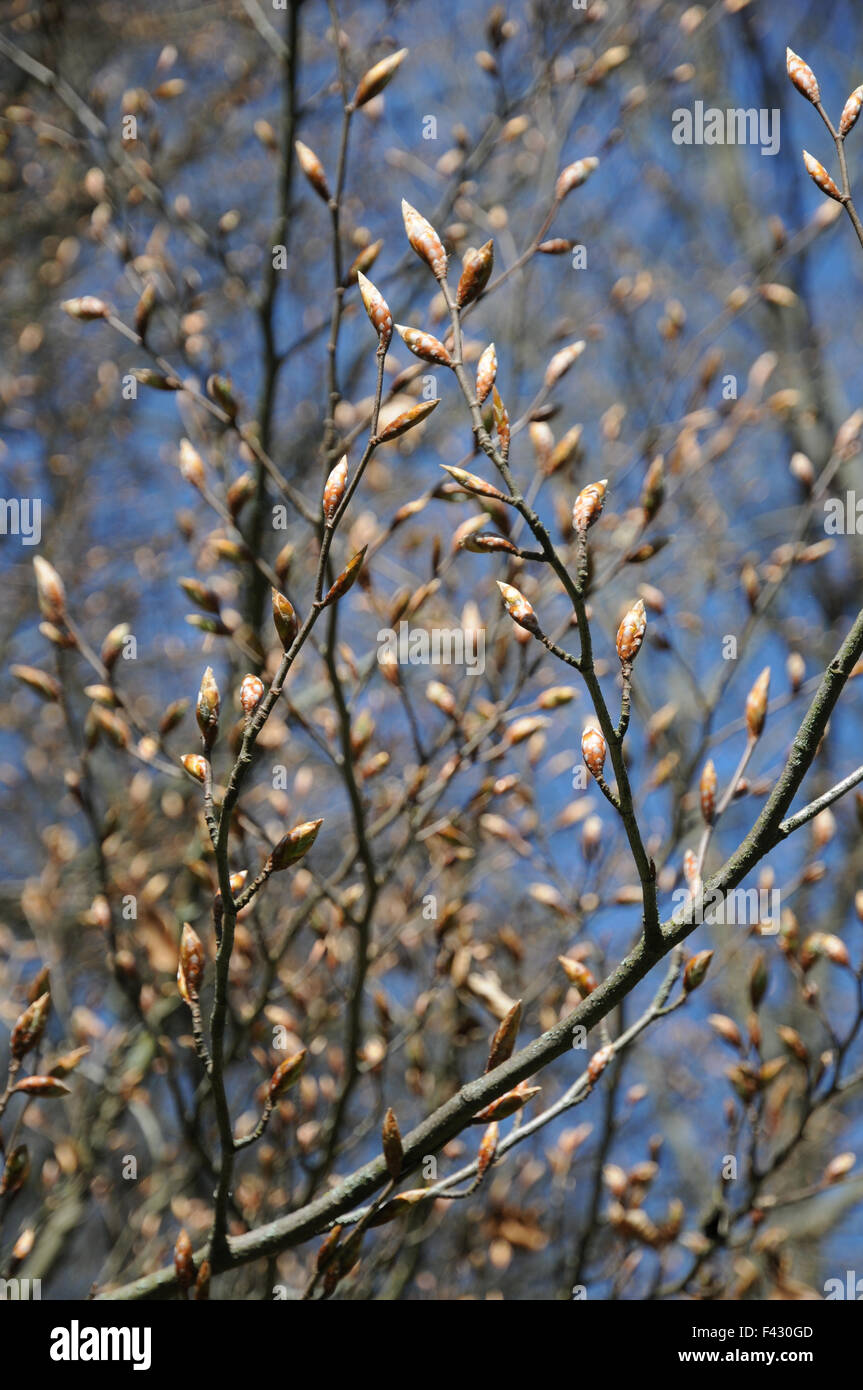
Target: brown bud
16 1171
42 1087
28 1029
802 76
839 1167
184 1264
334 490
598 1062
191 464
313 169
251 693
487 1151
113 644
424 240
85 307
593 750
707 790
696 969
503 1041
407 420
285 619
207 708
471 482
486 371
364 261
819 175
294 845
506 1105
143 310
286 1074
392 1145
424 345
37 680
202 1283
850 111
574 175
195 765
588 505
756 704
377 309
518 608
190 967
630 634
562 361
49 591
377 77
578 974
347 578
487 543
476 270
654 489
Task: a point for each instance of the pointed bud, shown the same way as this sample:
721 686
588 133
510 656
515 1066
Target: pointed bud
598 1062
654 489
202 1283
588 505
593 750
42 1087
506 1105
707 791
113 644
476 271
630 634
424 240
85 307
407 420
37 680
839 1167
195 765
207 708
285 619
578 974
251 693
501 422
286 1074
487 543
49 591
15 1171
471 482
487 1151
486 371
190 967
377 77
758 981
518 608
377 309
802 76
562 361
28 1030
334 490
347 578
364 262
756 704
191 464
819 175
392 1145
294 845
696 969
503 1042
574 175
850 111
424 345
313 169
184 1264
220 389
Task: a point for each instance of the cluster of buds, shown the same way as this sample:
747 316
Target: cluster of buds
593 751
518 608
756 704
486 372
424 345
284 619
476 271
190 966
377 309
588 505
251 693
207 708
424 240
630 634
574 175
293 846
334 489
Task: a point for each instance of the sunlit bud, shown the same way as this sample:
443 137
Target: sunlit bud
347 578
615 1180
796 668
241 491
476 270
826 945
191 464
696 969
27 1031
823 829
653 493
334 490
562 361
190 967
113 644
286 1074
37 680
377 77
487 543
377 309
364 262
313 169
501 422
756 704
285 619
184 1264
802 76
16 1171
556 246
800 467
424 345
207 708
266 135
111 725
49 590
758 981
424 240
486 371
195 765
42 1087
630 634
598 1062
251 692
557 695
690 869
294 845
593 750
588 505
707 790
442 698
391 1141
839 1167
578 974
487 1150
407 420
793 1041
85 307
518 608
503 1042
220 389
591 837
471 482
574 175
850 111
819 175
507 1104
726 1028
156 381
